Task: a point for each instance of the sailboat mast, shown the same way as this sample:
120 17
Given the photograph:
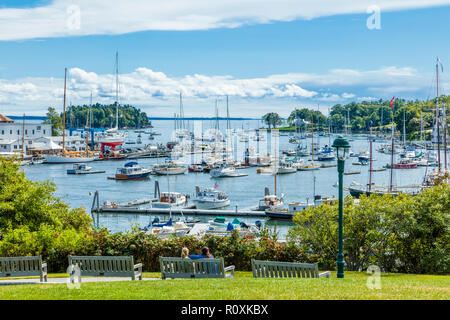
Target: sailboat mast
381 121
392 152
370 165
445 137
404 126
312 138
276 164
437 115
117 90
228 116
421 127
181 112
23 135
87 133
64 112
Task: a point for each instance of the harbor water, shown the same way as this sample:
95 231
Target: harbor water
244 192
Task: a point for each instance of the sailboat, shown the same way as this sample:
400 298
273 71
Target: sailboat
371 188
442 173
112 137
310 166
66 157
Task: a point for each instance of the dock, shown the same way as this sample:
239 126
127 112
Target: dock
87 172
191 212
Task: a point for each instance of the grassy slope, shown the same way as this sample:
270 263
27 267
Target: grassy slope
393 286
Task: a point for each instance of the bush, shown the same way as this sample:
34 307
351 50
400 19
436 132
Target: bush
400 234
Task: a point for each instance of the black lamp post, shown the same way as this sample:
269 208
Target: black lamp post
342 146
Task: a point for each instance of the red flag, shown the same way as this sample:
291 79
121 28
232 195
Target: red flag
392 102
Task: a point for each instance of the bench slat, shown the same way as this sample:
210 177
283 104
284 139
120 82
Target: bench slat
275 269
113 266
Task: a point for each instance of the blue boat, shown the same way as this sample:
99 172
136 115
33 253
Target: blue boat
132 171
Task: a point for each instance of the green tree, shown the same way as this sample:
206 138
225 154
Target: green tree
272 119
401 234
55 120
33 204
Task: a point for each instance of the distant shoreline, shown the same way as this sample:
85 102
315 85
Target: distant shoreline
150 118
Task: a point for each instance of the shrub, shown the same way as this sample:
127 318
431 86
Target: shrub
400 234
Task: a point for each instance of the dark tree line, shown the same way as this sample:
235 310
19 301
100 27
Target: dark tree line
104 116
372 115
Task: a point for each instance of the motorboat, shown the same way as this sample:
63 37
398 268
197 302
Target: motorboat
308 166
329 156
270 201
403 164
293 208
210 199
224 172
281 169
171 200
326 154
169 168
167 229
82 168
196 168
132 171
221 227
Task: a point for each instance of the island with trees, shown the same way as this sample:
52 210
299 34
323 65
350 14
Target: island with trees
365 116
100 116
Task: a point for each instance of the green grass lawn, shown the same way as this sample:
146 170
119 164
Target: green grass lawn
243 287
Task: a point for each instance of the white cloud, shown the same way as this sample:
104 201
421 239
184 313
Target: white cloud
346 95
59 19
158 93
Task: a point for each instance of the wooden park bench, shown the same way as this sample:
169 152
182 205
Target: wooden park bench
105 266
275 269
23 267
194 268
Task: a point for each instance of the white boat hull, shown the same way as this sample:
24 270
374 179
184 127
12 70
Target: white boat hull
163 172
207 205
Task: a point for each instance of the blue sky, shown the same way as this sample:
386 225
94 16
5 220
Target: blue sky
397 59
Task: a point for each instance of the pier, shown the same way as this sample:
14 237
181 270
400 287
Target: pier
190 211
130 208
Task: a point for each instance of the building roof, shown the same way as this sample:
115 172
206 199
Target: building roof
5 119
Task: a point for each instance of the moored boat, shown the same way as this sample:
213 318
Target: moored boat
210 199
169 168
132 171
171 200
82 168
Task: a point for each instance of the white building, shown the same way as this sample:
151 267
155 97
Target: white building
72 143
13 133
9 129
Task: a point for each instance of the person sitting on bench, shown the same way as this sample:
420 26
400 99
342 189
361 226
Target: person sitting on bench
205 255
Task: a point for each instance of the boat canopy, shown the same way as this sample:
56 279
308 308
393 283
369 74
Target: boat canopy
219 220
167 224
131 164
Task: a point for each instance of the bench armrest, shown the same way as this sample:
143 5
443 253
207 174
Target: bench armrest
325 274
230 268
44 271
138 272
